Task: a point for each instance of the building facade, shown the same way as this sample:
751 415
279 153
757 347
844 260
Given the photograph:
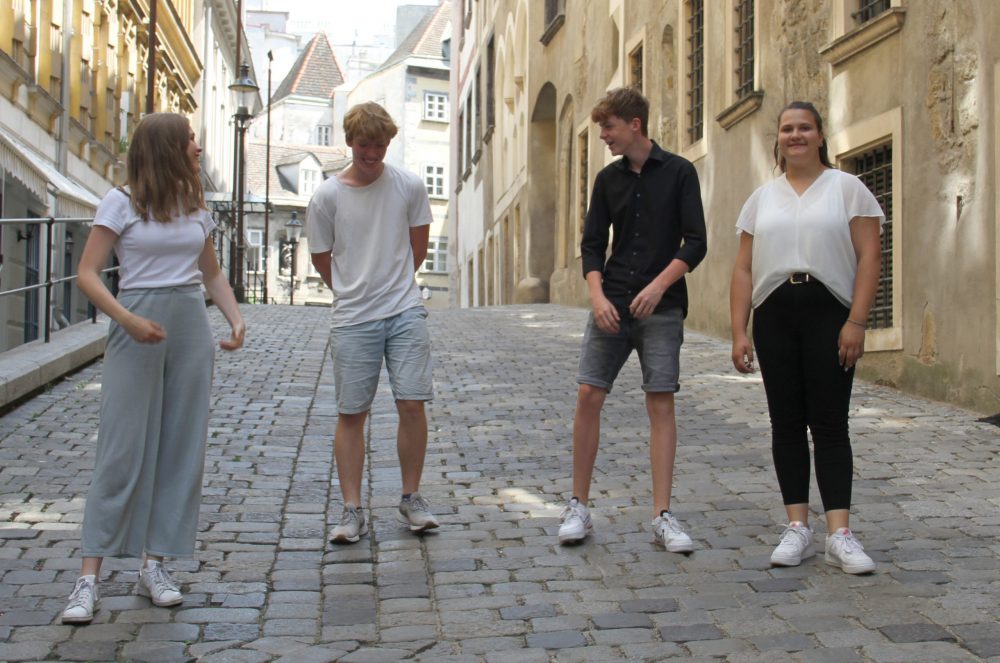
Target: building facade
909 90
413 85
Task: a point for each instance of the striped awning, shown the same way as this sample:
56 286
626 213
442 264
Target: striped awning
37 174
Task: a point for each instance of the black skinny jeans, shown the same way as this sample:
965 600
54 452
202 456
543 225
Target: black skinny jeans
795 332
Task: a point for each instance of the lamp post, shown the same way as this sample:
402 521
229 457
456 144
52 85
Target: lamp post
245 88
293 230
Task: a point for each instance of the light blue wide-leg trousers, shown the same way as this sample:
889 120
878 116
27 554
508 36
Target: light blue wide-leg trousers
145 491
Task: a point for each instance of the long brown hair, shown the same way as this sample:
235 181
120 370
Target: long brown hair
824 155
162 181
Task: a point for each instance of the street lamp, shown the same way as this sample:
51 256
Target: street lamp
245 89
293 231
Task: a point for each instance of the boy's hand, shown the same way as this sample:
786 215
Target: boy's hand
646 301
606 315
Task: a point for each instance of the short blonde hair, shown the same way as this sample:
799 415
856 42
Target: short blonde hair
368 121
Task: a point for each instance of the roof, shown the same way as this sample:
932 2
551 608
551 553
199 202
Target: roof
316 72
425 39
331 159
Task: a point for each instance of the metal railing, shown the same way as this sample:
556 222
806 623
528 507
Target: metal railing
48 280
225 244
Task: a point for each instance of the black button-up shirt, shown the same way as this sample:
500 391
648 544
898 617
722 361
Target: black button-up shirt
651 212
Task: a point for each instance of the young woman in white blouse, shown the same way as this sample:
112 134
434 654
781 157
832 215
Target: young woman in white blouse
808 265
145 491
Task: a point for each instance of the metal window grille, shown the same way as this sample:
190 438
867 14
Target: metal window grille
744 48
869 9
635 68
874 168
696 69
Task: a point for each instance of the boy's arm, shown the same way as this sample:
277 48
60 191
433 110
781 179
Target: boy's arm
321 261
418 244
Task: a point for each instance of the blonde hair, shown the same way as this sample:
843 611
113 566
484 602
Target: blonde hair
368 121
161 178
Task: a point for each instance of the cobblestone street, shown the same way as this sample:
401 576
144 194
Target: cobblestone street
492 585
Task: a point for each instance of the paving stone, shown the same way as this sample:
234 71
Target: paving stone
621 620
916 633
556 640
177 632
27 651
156 652
690 632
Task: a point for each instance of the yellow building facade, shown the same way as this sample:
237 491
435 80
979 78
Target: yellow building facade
910 91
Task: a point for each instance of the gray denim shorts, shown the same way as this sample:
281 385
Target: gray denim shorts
657 340
358 351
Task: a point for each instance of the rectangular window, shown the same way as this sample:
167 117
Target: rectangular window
255 252
696 70
869 9
434 181
437 255
491 64
744 48
310 180
436 106
324 133
635 68
874 168
479 114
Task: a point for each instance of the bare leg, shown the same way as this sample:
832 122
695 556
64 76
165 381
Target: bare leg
349 451
411 443
586 436
662 447
837 518
797 513
91 566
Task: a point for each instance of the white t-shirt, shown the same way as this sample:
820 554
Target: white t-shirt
153 254
810 233
368 230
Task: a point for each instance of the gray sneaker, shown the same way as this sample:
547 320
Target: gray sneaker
80 607
352 525
415 512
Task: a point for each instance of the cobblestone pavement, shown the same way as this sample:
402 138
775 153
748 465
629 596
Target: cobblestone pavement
492 585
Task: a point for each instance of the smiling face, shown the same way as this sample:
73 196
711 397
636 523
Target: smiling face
194 151
799 137
618 134
367 154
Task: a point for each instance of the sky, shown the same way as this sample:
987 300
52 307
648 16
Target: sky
343 20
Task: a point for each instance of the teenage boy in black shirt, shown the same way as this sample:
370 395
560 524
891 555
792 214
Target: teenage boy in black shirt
639 298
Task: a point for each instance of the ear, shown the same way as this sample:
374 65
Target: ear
635 125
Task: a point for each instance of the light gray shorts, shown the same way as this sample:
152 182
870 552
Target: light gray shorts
657 340
358 351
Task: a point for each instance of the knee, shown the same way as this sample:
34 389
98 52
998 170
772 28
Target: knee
590 398
410 409
354 420
660 404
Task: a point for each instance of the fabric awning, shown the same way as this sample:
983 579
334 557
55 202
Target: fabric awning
37 173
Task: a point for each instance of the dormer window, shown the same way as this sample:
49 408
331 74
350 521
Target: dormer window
308 181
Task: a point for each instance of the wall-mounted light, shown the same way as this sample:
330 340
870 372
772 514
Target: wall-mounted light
23 236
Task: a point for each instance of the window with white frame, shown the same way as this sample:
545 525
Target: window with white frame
255 257
308 180
437 255
324 134
434 180
436 106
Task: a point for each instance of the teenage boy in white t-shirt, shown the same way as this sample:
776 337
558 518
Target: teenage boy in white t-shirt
367 231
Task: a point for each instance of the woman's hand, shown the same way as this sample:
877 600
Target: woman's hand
143 330
851 344
743 354
235 341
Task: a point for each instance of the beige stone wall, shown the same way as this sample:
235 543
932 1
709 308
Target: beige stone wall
929 86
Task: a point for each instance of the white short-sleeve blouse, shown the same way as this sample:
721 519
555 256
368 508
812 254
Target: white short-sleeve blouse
808 233
154 254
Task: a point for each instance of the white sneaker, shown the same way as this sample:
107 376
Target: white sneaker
352 525
156 583
845 551
576 523
796 545
82 600
415 512
670 534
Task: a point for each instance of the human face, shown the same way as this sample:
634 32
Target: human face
618 134
194 151
799 139
367 155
